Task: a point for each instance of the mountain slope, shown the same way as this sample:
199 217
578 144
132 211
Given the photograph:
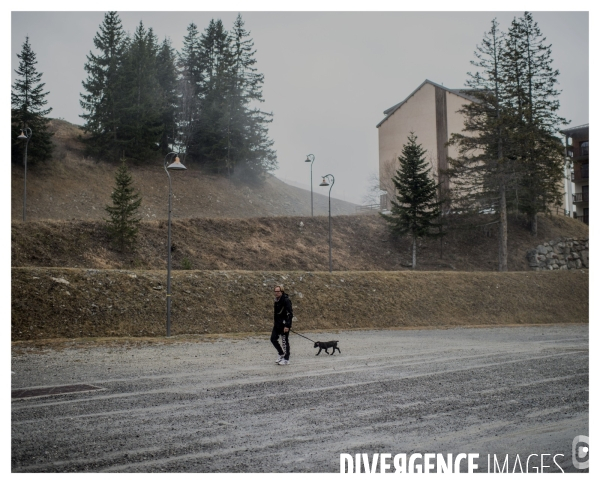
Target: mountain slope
73 187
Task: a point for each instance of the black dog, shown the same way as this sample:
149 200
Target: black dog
325 345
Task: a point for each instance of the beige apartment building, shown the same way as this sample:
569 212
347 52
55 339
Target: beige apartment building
430 111
577 187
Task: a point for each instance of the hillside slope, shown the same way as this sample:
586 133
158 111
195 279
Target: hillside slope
73 187
360 242
228 224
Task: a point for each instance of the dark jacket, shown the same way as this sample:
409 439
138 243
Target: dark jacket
282 312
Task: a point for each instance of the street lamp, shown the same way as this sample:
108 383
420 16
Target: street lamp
311 161
25 134
325 183
176 165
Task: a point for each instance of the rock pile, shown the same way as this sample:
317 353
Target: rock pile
561 254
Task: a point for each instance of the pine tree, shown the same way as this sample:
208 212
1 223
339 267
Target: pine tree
249 146
211 134
416 209
104 85
531 81
167 79
219 123
124 220
485 170
141 128
27 110
189 82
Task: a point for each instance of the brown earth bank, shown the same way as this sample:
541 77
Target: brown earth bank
359 242
71 186
69 282
76 303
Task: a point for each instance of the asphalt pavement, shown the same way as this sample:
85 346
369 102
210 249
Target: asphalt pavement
504 393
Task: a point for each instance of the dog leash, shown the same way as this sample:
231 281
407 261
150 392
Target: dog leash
301 335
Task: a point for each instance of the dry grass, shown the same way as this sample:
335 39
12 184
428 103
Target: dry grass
274 243
81 303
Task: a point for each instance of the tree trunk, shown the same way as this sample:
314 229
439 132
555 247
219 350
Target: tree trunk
414 253
533 224
502 232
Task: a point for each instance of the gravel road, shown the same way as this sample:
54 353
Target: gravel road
225 406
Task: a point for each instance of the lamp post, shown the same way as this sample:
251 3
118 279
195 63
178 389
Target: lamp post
325 183
25 134
176 165
311 161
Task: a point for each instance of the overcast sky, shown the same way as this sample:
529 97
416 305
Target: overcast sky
328 75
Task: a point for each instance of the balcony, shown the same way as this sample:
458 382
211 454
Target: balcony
580 173
581 197
582 218
376 207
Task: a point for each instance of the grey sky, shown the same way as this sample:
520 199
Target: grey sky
328 75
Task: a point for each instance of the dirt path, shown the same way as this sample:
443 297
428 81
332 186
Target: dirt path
226 407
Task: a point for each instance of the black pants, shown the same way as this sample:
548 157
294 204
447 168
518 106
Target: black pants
285 341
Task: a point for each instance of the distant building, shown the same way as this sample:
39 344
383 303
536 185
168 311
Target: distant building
430 111
577 189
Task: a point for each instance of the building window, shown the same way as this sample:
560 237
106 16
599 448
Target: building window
584 148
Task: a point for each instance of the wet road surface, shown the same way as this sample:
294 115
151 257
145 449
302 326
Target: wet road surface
225 406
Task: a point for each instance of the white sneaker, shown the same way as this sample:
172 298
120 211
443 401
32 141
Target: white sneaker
284 362
279 359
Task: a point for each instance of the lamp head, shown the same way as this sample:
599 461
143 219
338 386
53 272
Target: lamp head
176 165
22 135
324 183
307 160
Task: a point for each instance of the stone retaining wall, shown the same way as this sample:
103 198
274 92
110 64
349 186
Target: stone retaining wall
561 254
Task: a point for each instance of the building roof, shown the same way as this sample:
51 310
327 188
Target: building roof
459 92
576 130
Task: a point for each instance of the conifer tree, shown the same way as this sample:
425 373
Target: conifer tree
249 145
211 133
167 79
219 122
27 110
531 85
124 220
141 126
138 103
485 170
416 209
104 85
189 82
509 156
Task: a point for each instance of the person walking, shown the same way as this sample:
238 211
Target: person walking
282 319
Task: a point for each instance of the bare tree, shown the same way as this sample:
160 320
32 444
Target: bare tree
381 183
